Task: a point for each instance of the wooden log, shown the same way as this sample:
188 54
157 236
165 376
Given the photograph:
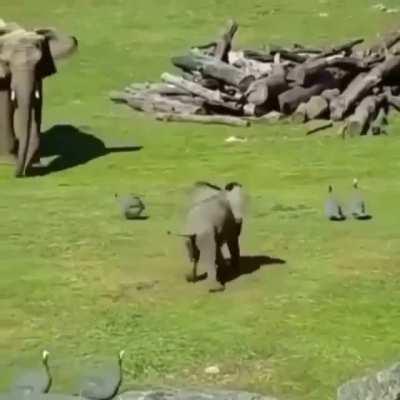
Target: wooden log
249 110
393 101
317 107
379 125
224 43
204 119
358 123
362 85
290 100
266 89
286 54
253 67
214 68
272 116
299 48
330 94
300 115
317 126
212 97
385 42
221 47
155 88
306 73
345 48
155 103
187 98
258 56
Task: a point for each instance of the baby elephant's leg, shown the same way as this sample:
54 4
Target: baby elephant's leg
234 249
194 256
208 253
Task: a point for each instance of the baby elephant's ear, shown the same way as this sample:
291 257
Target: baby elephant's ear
232 185
238 199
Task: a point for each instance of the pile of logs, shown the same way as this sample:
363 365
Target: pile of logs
354 83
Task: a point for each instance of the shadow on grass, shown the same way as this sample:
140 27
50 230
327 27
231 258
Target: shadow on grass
248 265
72 147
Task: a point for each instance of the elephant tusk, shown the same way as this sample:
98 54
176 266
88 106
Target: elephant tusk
12 95
37 94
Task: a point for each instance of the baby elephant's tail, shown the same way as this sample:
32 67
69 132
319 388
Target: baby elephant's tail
179 234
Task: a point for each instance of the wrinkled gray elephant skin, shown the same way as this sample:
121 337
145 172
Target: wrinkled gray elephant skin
214 218
26 58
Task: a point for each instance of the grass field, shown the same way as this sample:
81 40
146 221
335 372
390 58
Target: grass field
70 265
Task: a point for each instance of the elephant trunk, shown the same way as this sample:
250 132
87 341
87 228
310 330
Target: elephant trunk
23 86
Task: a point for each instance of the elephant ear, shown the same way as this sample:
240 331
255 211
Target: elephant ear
46 65
61 45
202 191
238 199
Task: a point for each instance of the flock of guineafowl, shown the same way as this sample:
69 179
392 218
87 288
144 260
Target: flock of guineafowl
35 384
335 211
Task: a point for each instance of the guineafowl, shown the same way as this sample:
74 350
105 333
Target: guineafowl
357 204
104 385
35 380
333 209
131 206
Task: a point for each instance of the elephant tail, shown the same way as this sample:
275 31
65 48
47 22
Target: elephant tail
179 234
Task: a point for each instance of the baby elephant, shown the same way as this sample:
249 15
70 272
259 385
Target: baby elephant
214 218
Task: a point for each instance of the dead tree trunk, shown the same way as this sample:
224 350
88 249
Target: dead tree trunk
266 89
290 100
224 44
317 107
366 111
212 97
308 72
362 85
300 115
204 119
156 103
214 68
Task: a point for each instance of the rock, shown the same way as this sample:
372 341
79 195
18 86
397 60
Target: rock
177 394
383 385
213 370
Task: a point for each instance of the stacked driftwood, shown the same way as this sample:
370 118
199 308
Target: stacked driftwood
350 82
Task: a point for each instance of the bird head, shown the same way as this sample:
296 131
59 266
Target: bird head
330 188
355 183
45 356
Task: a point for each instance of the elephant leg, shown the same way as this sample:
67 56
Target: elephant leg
36 124
234 249
7 138
207 245
194 256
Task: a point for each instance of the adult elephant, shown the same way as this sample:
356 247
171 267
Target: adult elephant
28 57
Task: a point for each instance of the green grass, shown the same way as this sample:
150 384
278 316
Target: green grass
70 265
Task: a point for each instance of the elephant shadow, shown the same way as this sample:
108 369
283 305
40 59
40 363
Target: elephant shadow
72 147
247 265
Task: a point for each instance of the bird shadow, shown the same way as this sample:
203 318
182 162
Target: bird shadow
247 265
72 147
338 219
138 218
363 217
